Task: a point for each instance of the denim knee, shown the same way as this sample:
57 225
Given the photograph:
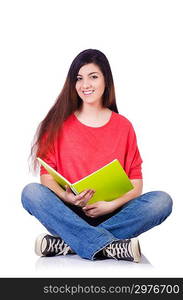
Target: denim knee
166 200
28 194
161 202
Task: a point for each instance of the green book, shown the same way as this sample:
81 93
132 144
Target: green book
109 182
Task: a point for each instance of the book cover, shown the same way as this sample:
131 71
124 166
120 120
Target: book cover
109 182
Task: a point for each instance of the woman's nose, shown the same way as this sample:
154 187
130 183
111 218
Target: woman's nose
86 83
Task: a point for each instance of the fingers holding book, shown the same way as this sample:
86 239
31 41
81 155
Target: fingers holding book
78 200
84 197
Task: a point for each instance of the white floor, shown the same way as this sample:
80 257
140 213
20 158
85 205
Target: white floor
74 266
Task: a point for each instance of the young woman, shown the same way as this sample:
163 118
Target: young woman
81 133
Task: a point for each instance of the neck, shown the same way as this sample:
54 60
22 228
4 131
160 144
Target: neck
91 111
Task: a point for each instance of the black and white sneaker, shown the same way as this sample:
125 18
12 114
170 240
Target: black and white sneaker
48 245
128 249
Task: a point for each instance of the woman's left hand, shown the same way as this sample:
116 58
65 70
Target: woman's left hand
99 208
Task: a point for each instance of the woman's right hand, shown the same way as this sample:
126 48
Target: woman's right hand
78 200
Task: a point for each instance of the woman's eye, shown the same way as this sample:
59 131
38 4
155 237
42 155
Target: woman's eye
93 77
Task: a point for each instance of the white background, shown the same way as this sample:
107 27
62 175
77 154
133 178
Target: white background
143 41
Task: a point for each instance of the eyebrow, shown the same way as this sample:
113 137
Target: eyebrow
89 73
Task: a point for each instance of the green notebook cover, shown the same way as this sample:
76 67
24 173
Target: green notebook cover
109 182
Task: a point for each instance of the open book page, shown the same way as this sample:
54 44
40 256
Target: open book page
109 182
57 176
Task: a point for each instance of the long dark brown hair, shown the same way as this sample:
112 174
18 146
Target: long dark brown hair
68 101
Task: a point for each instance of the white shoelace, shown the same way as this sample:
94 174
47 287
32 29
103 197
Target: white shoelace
119 251
59 247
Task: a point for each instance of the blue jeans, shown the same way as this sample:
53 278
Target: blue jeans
135 217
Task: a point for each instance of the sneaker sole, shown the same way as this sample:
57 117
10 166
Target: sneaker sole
135 246
38 244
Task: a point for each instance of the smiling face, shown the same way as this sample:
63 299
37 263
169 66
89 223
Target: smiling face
90 84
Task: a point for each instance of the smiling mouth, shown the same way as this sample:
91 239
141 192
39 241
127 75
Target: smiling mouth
88 92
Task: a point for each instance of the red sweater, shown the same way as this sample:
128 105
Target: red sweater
80 149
